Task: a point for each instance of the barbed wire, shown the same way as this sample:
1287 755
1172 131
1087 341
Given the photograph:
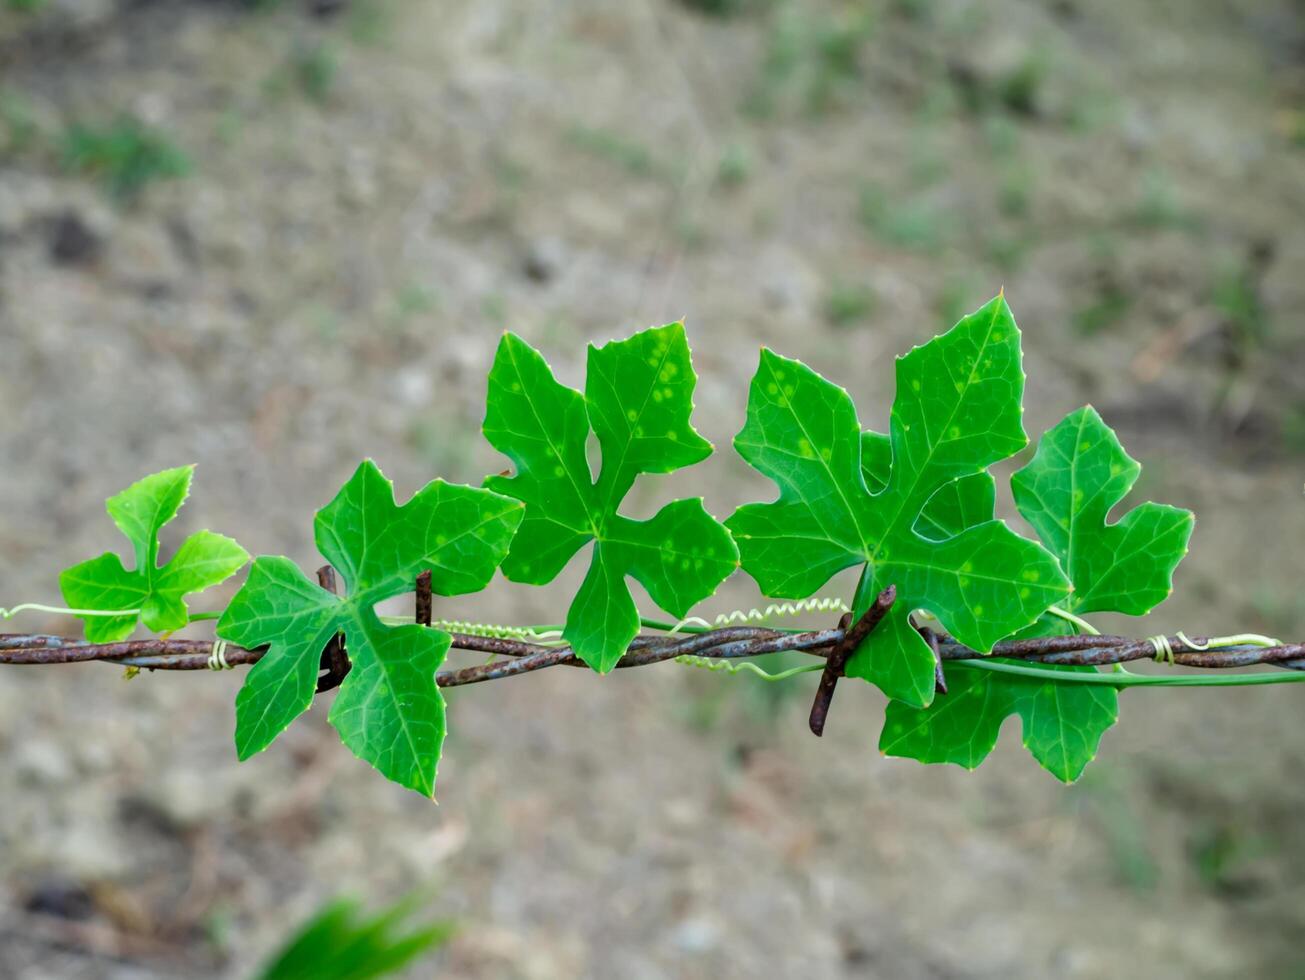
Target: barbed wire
725 643
695 643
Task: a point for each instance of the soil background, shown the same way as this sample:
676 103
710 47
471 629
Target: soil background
376 190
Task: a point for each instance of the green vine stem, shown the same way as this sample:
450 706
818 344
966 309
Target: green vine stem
1141 680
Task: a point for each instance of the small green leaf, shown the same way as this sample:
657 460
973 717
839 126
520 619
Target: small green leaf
389 710
1063 723
1079 473
638 400
957 412
204 559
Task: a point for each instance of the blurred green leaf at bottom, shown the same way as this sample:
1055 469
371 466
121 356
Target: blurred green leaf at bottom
341 943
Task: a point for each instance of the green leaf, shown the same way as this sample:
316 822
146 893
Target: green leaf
389 710
204 559
957 411
1063 723
637 400
1079 473
341 943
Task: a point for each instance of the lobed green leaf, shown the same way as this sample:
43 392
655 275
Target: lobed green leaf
389 711
957 411
638 400
140 512
1063 723
1067 491
1079 473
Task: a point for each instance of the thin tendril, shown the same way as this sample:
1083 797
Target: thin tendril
1081 624
776 610
64 611
547 635
1164 650
724 666
1240 640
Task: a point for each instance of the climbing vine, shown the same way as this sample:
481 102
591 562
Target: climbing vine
956 617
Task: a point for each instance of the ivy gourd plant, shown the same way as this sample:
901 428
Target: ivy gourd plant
956 617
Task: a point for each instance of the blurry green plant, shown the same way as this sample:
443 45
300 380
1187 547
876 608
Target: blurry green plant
413 299
719 8
848 303
814 56
1006 250
929 163
126 154
1293 428
1110 305
735 165
1018 90
614 148
691 233
1159 206
1015 191
1236 297
907 222
1001 136
370 21
1296 128
315 67
1221 852
342 943
18 126
917 10
1092 108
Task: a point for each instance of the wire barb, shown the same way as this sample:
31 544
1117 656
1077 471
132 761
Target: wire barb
939 678
853 636
335 661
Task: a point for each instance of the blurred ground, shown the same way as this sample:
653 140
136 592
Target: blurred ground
375 190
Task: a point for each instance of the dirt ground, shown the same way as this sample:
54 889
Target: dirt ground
375 192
